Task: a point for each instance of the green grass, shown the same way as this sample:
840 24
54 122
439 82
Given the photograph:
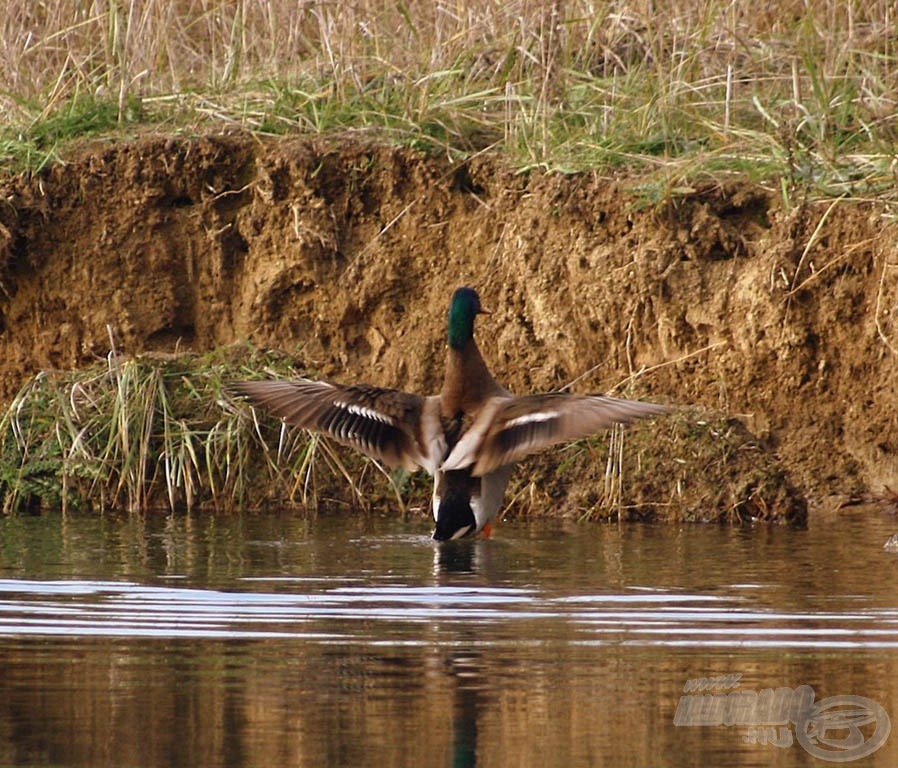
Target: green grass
679 94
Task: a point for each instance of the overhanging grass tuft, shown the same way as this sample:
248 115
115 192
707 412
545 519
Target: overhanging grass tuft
134 433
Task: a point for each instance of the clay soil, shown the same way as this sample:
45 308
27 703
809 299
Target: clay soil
779 325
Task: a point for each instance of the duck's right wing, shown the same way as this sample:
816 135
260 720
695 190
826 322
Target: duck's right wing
397 428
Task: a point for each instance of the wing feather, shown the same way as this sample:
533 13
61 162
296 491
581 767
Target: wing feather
387 424
507 429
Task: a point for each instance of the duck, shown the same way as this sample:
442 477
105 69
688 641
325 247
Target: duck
469 437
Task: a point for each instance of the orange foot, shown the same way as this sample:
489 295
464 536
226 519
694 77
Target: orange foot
487 531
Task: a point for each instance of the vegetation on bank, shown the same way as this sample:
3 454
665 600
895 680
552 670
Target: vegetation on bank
136 433
796 94
162 431
799 96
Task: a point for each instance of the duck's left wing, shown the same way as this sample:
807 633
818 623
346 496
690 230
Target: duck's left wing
398 428
508 428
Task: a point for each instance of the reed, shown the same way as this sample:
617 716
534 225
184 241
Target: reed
681 93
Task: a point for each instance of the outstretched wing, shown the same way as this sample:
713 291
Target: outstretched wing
395 427
508 428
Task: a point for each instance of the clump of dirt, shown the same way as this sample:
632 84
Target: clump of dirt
343 254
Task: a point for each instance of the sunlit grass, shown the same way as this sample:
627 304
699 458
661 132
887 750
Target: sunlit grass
134 433
682 93
163 432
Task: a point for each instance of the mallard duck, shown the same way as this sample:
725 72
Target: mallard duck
468 437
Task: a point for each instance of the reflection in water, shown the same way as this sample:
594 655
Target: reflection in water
346 641
464 670
457 556
454 558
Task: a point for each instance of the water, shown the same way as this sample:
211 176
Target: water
272 640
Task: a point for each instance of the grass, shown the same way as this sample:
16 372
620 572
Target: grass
680 94
682 467
162 432
150 432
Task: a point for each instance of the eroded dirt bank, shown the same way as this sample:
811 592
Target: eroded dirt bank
344 254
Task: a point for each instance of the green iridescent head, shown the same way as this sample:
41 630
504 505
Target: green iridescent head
463 308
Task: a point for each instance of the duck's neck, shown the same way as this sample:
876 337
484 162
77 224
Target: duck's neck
467 382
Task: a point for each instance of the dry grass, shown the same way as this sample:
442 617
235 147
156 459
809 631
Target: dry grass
684 467
139 433
680 92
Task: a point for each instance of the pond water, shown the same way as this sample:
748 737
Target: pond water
275 640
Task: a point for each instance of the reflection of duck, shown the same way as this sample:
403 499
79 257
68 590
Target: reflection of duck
473 556
469 436
467 702
460 559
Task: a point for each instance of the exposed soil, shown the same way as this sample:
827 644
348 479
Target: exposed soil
783 322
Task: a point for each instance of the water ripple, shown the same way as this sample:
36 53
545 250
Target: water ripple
317 610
